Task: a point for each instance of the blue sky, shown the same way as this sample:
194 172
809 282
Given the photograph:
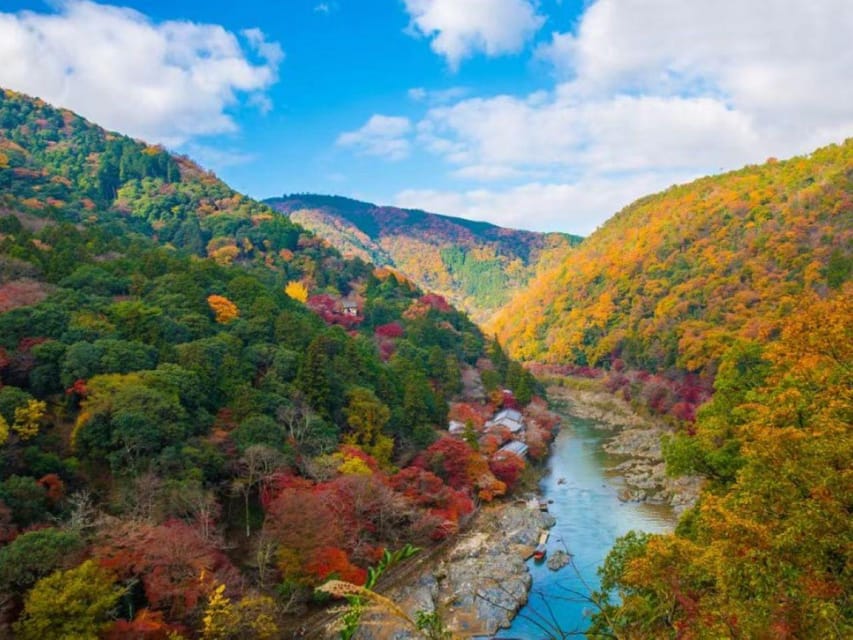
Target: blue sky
540 114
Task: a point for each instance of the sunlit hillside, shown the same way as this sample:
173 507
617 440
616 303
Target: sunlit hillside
673 279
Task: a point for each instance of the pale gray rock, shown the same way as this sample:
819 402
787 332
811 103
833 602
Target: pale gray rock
558 560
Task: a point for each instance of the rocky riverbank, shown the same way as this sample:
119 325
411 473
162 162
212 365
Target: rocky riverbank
481 581
637 439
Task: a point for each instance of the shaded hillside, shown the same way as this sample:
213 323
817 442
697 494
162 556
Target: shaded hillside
675 278
202 402
476 265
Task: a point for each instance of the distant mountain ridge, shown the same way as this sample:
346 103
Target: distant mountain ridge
476 265
674 279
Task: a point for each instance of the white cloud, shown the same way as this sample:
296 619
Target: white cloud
384 136
437 96
326 8
488 172
646 94
418 94
783 65
458 30
561 133
574 207
165 82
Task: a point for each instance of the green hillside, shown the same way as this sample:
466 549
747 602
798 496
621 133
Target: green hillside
201 402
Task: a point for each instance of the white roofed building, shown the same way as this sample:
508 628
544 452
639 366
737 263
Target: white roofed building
516 446
508 418
456 428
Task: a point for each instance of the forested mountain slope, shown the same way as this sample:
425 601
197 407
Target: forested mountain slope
674 279
766 553
204 409
476 265
742 278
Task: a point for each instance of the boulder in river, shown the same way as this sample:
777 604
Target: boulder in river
558 560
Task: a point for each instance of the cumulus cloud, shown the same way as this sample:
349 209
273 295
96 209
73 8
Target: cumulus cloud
560 132
647 94
165 82
784 65
384 136
458 30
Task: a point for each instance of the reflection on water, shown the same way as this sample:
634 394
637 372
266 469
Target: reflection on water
589 517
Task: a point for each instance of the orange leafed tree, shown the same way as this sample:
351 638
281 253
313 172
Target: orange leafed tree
224 310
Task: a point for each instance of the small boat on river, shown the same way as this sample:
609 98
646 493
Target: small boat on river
539 553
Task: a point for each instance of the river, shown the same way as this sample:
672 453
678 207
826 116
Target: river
590 517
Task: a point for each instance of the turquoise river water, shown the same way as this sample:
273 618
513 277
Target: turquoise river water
590 517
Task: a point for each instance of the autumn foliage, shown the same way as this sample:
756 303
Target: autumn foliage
223 309
168 412
461 467
507 467
675 278
762 554
297 290
176 566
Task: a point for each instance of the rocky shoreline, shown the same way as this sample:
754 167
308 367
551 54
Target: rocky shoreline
637 439
482 580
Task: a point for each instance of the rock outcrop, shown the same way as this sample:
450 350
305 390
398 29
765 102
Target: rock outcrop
558 560
481 582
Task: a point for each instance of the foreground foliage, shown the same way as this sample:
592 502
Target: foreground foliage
766 552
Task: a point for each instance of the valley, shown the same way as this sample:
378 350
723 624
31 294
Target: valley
477 266
222 417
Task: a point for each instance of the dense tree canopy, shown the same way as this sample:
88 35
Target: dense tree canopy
676 278
198 395
766 552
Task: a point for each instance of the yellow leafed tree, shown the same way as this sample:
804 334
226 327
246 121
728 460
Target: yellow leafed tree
252 617
297 290
28 419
